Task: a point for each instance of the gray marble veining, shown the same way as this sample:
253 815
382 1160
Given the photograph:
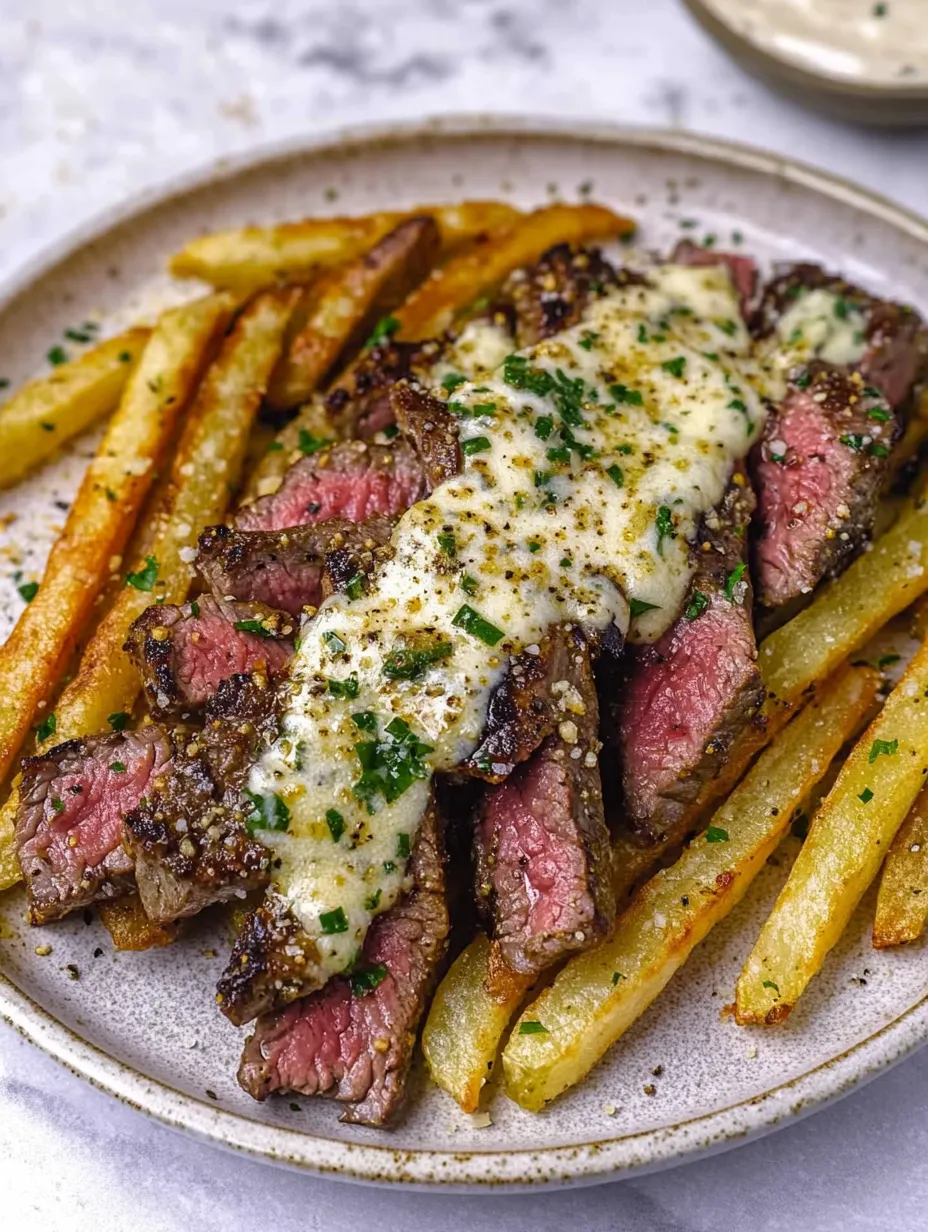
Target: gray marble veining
101 99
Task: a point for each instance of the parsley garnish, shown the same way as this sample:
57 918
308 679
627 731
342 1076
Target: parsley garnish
409 662
529 1027
727 327
354 587
696 606
715 834
118 721
469 584
349 688
472 622
665 527
57 355
269 812
865 796
366 979
118 767
616 976
385 328
885 747
733 579
335 644
770 984
57 804
676 367
28 591
252 626
275 447
615 474
336 822
588 339
309 444
145 578
476 444
448 543
452 381
47 727
366 720
372 902
630 397
544 426
390 765
402 846
638 607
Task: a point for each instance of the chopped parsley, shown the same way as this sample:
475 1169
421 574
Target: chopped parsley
365 720
589 339
626 396
615 474
372 902
269 812
468 584
47 727
309 444
886 748
530 1027
336 823
144 579
448 543
696 606
410 662
194 608
336 645
676 367
879 414
252 626
453 381
616 976
334 921
385 328
534 546
770 984
665 527
473 623
390 765
365 979
57 804
118 721
727 327
733 579
715 834
638 607
887 660
57 355
865 796
354 587
544 426
118 767
348 689
476 444
28 591
402 846
275 447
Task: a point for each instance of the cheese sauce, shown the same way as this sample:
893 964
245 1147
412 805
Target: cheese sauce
824 325
588 462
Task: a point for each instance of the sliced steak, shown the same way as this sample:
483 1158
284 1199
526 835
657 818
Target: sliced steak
526 707
69 823
282 569
355 554
552 294
427 425
353 1041
742 269
189 836
820 468
352 481
896 351
184 652
358 403
690 695
270 964
543 855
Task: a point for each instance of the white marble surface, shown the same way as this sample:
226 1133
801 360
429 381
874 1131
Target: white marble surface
103 97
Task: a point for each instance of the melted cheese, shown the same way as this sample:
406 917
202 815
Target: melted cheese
824 325
579 497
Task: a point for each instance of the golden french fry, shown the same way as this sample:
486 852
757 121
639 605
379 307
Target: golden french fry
849 610
129 926
477 271
49 411
466 1023
850 834
902 902
259 256
194 495
102 516
599 994
347 304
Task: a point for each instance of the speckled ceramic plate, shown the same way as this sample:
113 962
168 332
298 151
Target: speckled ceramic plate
858 60
144 1026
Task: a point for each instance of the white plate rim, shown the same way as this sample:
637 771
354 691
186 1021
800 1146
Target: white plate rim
585 1163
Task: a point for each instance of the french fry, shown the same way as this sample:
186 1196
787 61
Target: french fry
599 994
848 611
194 495
850 834
259 256
902 902
130 928
466 1022
347 305
430 310
102 516
49 411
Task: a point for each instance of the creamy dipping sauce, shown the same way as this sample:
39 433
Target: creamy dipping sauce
588 462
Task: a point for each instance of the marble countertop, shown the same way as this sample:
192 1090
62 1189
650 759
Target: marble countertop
100 99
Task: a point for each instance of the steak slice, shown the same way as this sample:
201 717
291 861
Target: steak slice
358 403
271 963
354 1040
428 426
688 696
543 854
552 294
69 822
526 707
353 481
742 269
184 652
820 468
896 351
189 836
283 569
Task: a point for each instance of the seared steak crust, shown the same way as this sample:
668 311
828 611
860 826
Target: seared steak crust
359 401
820 468
427 425
269 964
183 653
553 294
355 552
352 481
189 836
284 569
543 854
691 694
350 1041
69 822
